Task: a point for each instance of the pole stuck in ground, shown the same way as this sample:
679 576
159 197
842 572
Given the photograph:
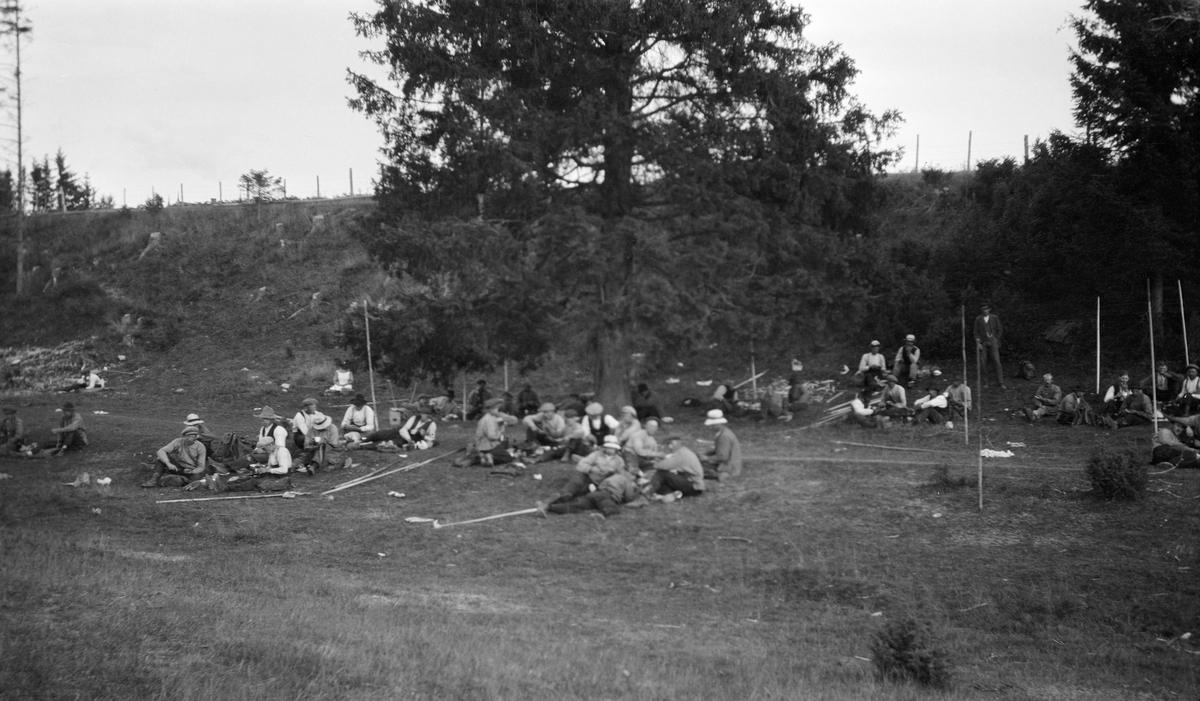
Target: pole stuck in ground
370 367
966 411
1097 345
753 376
1187 356
1153 365
979 416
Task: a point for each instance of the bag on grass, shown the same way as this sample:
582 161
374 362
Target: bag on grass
230 447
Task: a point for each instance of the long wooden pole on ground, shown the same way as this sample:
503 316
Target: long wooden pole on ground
966 411
1187 356
1097 345
406 468
1153 366
437 524
370 366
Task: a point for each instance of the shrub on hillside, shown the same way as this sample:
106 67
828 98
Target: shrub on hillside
1117 474
906 650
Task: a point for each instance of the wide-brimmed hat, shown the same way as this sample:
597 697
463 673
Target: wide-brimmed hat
876 343
190 431
193 420
68 406
268 413
611 442
548 406
358 400
321 421
309 402
594 409
629 410
715 417
493 403
910 337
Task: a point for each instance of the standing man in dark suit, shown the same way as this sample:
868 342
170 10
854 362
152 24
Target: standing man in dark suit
988 332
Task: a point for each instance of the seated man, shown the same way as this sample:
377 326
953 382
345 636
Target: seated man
1163 383
641 450
1116 394
302 420
546 427
270 474
592 470
320 445
12 431
599 424
1189 392
575 444
958 396
907 364
490 441
679 472
614 490
359 420
725 459
930 407
724 398
645 402
527 401
477 400
1136 410
627 424
343 380
179 462
443 405
274 429
871 367
861 412
1074 410
1046 399
420 431
798 397
70 434
895 399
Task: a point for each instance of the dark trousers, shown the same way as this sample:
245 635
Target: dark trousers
930 414
665 482
991 352
600 500
576 486
71 440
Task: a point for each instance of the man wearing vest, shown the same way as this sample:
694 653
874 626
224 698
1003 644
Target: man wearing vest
988 332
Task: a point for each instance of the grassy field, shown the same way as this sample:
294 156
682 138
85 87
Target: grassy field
771 587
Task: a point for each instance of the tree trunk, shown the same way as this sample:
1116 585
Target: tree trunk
612 368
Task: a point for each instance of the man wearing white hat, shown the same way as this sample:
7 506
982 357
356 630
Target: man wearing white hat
871 366
319 443
907 363
592 470
725 459
204 433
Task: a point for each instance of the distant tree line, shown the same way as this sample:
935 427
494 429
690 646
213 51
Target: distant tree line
51 187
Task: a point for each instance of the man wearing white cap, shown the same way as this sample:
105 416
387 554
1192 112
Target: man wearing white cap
546 426
907 363
592 470
725 459
871 367
302 421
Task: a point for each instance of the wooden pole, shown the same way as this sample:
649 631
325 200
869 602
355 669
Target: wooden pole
917 158
1187 356
318 187
966 411
370 366
506 375
284 495
1153 364
753 376
485 518
969 135
979 418
1097 345
463 400
372 477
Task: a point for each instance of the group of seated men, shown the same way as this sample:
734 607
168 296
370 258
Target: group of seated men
873 365
617 460
1123 404
15 441
934 406
308 443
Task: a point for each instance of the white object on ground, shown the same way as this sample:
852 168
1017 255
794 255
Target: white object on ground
989 453
5 476
418 519
704 383
1016 445
104 481
81 480
672 380
398 495
537 476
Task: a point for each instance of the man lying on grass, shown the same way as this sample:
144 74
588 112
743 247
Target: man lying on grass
592 470
608 496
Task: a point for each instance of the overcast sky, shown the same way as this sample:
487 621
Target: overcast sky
144 94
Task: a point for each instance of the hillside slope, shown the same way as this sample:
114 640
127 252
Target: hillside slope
254 286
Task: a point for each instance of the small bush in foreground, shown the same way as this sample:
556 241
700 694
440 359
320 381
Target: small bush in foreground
1117 475
906 651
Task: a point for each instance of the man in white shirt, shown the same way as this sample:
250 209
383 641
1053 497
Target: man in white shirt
358 420
302 422
930 407
871 367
